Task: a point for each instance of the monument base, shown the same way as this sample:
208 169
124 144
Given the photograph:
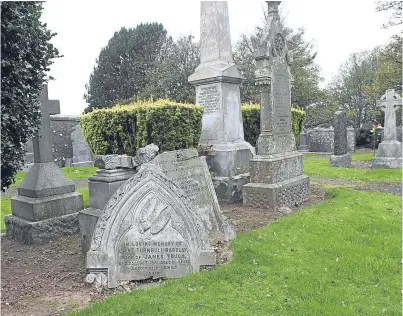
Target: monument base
288 193
229 159
38 209
87 219
387 162
83 164
340 160
229 189
35 233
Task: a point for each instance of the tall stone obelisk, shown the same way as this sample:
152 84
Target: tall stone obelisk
276 173
217 82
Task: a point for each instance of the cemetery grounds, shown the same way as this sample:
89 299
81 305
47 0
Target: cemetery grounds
337 254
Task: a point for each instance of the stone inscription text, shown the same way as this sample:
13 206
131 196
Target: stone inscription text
152 258
209 96
281 101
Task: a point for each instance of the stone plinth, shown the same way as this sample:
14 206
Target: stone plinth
388 155
217 81
47 205
276 173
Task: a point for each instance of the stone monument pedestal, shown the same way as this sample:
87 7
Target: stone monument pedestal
47 205
388 155
276 180
340 160
101 186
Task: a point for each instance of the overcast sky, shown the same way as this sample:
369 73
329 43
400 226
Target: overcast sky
337 28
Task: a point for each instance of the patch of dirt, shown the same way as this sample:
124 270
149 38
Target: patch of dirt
383 187
248 218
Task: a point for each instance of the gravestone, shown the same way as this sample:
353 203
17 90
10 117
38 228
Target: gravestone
148 229
81 150
341 157
276 173
303 142
46 205
217 81
389 153
190 172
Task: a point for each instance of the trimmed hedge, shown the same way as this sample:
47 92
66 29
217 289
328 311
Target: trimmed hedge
251 122
123 129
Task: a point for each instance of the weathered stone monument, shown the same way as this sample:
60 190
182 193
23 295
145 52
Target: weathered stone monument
81 150
389 153
148 229
276 173
341 157
46 205
217 82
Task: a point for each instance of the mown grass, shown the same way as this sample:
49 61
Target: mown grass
320 167
341 257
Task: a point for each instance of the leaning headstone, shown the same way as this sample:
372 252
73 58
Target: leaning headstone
148 229
341 157
389 153
46 205
217 81
191 173
81 150
276 173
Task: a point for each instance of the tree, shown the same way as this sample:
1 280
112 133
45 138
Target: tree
395 7
170 77
123 68
26 54
304 69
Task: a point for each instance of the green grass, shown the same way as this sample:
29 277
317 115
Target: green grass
73 173
341 257
6 204
320 167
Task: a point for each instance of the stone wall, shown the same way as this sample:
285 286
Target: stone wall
61 127
322 139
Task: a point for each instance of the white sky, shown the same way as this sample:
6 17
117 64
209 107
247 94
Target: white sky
338 28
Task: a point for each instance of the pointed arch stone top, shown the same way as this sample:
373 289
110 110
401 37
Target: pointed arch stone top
149 229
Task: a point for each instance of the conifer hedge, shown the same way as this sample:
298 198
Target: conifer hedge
123 129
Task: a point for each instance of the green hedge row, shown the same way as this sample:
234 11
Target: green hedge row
170 125
251 122
125 128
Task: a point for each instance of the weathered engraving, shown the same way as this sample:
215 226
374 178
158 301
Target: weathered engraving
209 96
281 100
190 172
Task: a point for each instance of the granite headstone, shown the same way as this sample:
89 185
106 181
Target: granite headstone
81 150
341 157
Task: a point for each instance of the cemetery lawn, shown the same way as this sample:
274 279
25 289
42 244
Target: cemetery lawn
340 257
319 167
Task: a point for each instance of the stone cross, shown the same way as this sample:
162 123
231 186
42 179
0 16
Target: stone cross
389 103
42 141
